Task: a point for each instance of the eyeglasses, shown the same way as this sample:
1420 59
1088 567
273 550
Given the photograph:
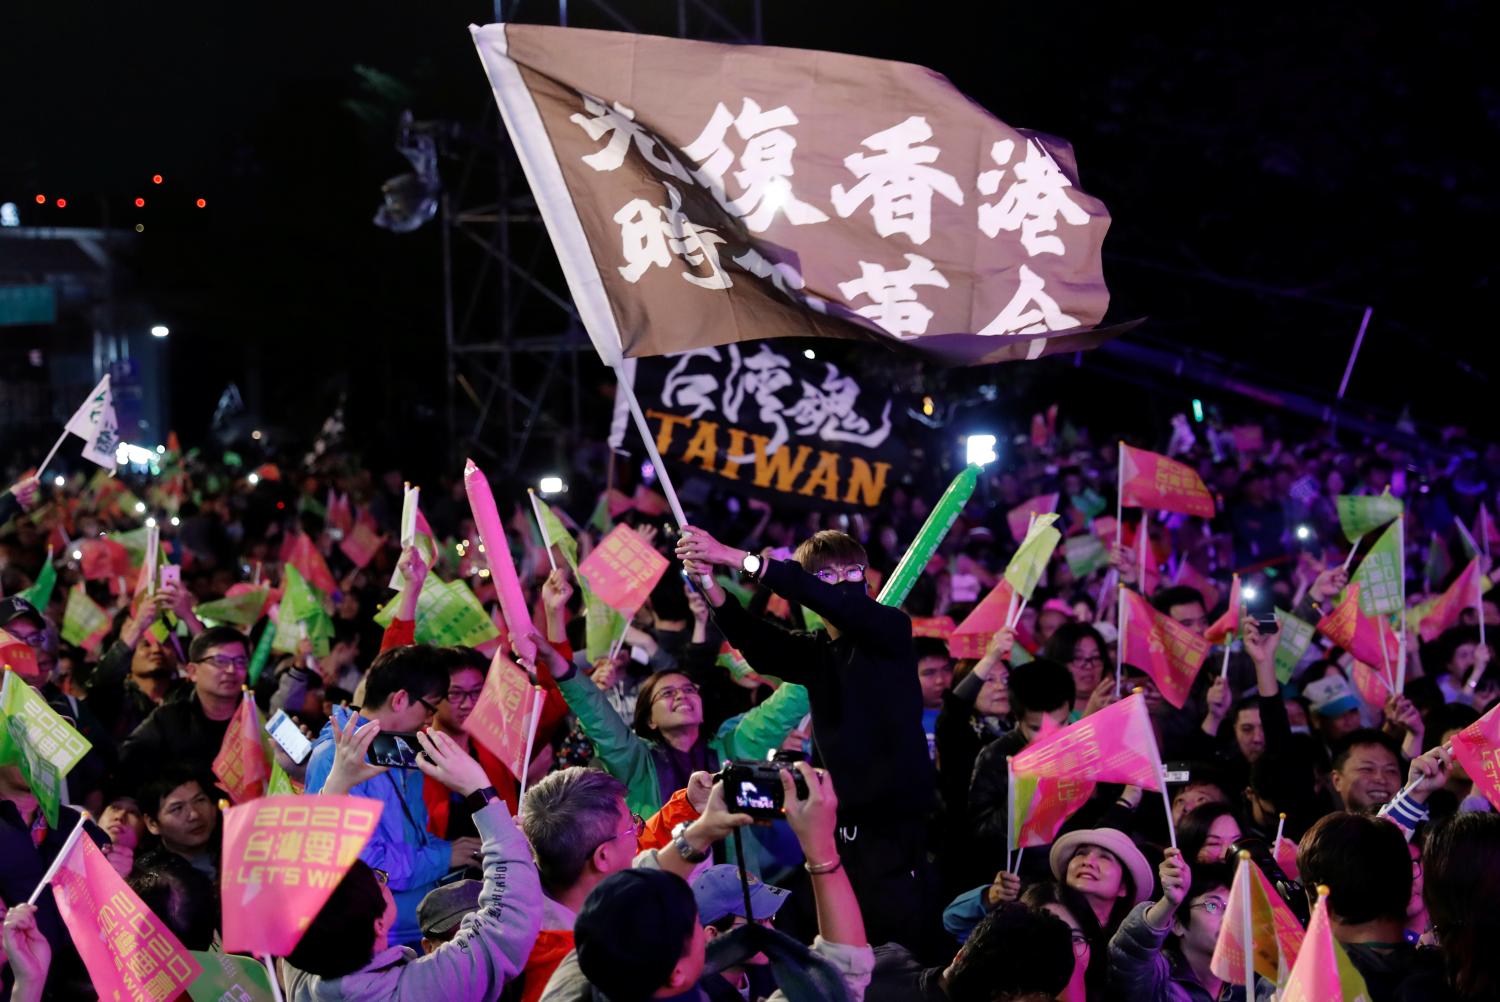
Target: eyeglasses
637 827
832 575
464 695
1211 906
429 706
1087 659
1080 942
37 639
673 692
223 663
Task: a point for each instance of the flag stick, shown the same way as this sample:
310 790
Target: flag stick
1017 868
1120 619
1111 576
1479 609
271 970
1280 827
1401 651
536 717
1224 671
1010 821
1484 529
1166 801
1120 494
1012 611
1145 542
1385 652
1353 549
542 525
1247 922
62 854
55 446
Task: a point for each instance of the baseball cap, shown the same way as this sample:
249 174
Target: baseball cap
15 606
632 930
445 906
718 893
1330 697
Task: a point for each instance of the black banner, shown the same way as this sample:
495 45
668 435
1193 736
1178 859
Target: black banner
774 423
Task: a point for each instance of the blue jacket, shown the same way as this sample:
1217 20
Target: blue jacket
413 859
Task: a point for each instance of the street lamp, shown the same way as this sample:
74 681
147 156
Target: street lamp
160 330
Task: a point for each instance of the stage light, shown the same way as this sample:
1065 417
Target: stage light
62 203
551 485
140 203
60 481
156 179
160 330
201 203
254 479
980 449
1198 411
1303 532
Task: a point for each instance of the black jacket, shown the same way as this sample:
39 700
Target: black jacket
863 689
175 735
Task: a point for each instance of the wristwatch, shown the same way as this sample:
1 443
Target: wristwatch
480 799
751 565
685 850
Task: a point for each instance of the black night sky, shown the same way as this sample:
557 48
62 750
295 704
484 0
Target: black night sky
1271 170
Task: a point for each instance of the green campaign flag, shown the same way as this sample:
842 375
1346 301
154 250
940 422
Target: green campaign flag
229 977
40 594
1438 564
301 603
243 609
1360 515
261 654
603 626
740 669
1085 555
36 738
1030 561
557 532
812 619
456 618
85 624
1294 638
733 587
280 783
1379 575
1089 503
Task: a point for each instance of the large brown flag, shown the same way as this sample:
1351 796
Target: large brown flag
701 194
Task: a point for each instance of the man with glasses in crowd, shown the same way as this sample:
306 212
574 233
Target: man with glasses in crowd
861 677
402 692
189 732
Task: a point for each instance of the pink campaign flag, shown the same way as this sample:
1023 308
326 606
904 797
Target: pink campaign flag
1019 518
622 570
310 564
1322 972
283 856
1276 933
1226 627
1462 594
937 627
361 544
1150 480
972 636
1477 748
128 951
1040 804
1161 647
1351 630
1114 745
505 717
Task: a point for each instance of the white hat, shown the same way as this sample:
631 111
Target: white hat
1114 841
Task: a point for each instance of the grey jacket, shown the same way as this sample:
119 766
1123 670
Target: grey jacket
1141 970
489 950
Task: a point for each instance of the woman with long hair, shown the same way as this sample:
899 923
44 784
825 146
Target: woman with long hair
1082 649
1206 832
1460 885
1102 876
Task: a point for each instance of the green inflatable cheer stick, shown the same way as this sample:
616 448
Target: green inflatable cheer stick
933 532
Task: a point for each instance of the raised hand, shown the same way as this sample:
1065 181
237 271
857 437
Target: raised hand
351 745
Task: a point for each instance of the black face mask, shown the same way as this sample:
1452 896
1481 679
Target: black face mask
852 587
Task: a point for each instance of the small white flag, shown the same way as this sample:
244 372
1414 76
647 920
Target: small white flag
95 423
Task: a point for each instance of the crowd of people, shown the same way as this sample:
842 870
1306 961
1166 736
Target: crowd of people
624 871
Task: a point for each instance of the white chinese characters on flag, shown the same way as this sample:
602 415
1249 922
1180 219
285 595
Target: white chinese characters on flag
94 422
749 192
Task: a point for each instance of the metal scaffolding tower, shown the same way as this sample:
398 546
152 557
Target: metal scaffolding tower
516 351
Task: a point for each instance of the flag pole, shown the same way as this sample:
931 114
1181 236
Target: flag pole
1247 921
270 963
1479 663
1144 545
1120 494
1120 619
1353 549
62 854
1224 671
1010 821
541 524
1401 650
1166 801
1280 827
55 446
538 696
